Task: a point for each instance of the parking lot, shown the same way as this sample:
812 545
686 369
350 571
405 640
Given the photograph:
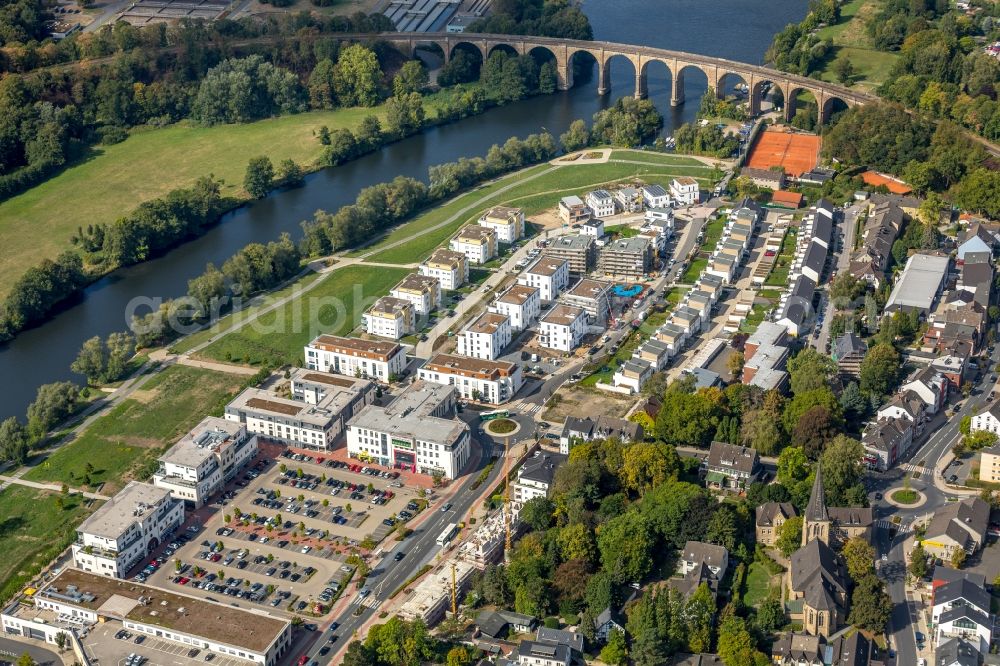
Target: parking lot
102 644
292 522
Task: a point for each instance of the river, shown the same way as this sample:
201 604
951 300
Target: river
735 29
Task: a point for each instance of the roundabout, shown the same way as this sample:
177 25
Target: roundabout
501 427
905 498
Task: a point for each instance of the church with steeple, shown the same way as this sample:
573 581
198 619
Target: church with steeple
833 525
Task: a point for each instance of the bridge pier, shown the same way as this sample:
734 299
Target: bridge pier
603 79
564 75
640 86
677 89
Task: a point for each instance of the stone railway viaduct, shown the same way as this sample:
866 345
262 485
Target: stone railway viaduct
564 51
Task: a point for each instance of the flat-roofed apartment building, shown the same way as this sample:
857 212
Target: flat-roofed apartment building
522 304
122 532
549 274
371 359
593 296
203 460
507 222
418 431
486 337
562 328
449 267
601 203
577 249
629 258
390 317
297 422
188 622
477 243
494 382
422 291
572 210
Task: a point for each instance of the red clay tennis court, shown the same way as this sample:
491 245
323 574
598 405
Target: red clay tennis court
797 153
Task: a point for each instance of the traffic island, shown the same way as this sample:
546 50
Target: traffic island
905 498
501 427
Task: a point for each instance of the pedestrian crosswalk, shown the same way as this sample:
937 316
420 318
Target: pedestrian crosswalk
886 524
529 408
916 470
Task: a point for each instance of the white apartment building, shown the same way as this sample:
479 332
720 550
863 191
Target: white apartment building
477 243
391 318
507 222
75 601
594 296
655 196
203 460
549 274
563 327
988 420
486 337
600 203
493 382
373 359
421 291
418 432
299 423
449 267
121 533
534 477
628 199
684 191
522 304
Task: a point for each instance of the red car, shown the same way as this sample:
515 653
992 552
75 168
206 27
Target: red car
769 253
303 659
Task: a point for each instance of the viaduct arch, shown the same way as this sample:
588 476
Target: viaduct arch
715 69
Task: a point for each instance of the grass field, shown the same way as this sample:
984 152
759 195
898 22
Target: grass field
540 193
115 179
33 530
121 443
779 272
758 584
661 159
334 306
850 40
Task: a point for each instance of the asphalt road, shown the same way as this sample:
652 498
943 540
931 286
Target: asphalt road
10 650
420 548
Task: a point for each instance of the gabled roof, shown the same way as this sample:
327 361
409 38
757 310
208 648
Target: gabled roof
768 511
965 613
732 456
706 553
956 652
849 344
963 589
816 564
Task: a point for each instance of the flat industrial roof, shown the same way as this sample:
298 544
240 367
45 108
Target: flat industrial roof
202 442
254 631
132 503
919 283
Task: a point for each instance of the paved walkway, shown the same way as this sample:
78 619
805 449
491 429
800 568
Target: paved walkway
55 487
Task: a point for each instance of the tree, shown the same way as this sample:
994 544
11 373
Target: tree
790 536
626 545
842 470
537 513
629 123
25 660
616 650
871 605
13 441
289 173
770 615
958 558
737 646
645 466
803 401
61 640
814 429
404 114
576 137
411 78
810 370
259 177
91 361
458 656
688 419
762 431
53 403
918 561
735 364
570 581
880 370
321 91
843 69
356 76
860 558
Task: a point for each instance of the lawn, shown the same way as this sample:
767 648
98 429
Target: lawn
713 232
851 40
694 270
779 272
333 306
757 585
33 530
123 443
652 157
538 188
113 180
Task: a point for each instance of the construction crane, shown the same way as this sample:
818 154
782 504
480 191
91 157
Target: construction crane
454 593
506 494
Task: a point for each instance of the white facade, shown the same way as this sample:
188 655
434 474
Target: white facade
507 222
633 375
390 318
485 338
985 421
354 357
492 382
600 203
562 328
421 291
593 227
520 303
418 431
121 533
549 275
450 268
202 461
684 191
477 243
655 196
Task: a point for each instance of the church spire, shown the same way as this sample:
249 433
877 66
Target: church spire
816 511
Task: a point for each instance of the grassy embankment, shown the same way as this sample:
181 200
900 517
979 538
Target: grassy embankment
850 40
124 443
113 180
35 526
